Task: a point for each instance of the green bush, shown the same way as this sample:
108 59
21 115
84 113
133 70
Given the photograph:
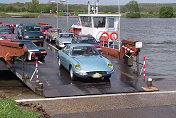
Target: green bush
133 15
166 12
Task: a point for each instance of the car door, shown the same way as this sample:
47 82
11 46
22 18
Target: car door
65 57
74 40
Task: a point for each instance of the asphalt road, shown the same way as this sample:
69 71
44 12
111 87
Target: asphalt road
127 105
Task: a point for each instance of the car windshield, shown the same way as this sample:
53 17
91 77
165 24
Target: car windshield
66 36
8 37
56 30
33 29
4 27
46 27
87 40
84 51
5 32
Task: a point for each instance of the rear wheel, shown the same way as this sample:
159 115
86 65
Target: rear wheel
72 75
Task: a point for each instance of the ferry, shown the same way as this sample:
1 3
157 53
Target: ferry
99 25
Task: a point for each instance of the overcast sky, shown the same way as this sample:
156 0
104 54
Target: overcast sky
102 2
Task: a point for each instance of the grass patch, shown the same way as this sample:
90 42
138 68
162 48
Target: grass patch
10 109
2 14
148 15
30 15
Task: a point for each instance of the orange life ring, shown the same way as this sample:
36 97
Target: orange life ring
106 34
112 34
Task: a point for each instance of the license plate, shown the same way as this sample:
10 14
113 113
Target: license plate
34 41
96 75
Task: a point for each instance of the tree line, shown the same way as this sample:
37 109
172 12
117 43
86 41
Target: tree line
132 9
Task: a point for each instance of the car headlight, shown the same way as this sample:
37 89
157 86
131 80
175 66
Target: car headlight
77 66
26 36
110 65
41 36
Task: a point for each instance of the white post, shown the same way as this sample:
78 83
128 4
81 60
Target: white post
97 6
67 14
88 7
119 23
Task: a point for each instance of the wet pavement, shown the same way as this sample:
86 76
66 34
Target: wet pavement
58 83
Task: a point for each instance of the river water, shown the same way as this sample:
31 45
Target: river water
158 37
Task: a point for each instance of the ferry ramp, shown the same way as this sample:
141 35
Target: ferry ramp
57 82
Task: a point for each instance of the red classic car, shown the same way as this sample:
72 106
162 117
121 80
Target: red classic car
88 39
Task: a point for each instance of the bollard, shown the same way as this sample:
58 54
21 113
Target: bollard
40 85
37 82
149 82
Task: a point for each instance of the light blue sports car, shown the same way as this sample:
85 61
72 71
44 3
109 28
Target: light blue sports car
84 61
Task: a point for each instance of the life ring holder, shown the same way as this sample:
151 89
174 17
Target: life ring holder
115 34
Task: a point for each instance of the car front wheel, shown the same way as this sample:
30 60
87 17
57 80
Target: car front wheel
72 75
107 78
59 63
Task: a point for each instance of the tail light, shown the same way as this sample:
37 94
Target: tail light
33 56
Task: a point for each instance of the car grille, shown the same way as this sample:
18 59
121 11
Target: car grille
100 72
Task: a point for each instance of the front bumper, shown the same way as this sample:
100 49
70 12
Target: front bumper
35 40
63 45
93 74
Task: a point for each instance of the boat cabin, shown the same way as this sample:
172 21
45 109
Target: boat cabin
96 24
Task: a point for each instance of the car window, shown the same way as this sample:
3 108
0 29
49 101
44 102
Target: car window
8 37
84 51
5 32
66 50
87 40
66 36
46 27
32 29
74 40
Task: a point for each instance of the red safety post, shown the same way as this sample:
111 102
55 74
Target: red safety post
144 68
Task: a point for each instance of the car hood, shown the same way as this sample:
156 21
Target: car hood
65 40
33 49
33 34
93 63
